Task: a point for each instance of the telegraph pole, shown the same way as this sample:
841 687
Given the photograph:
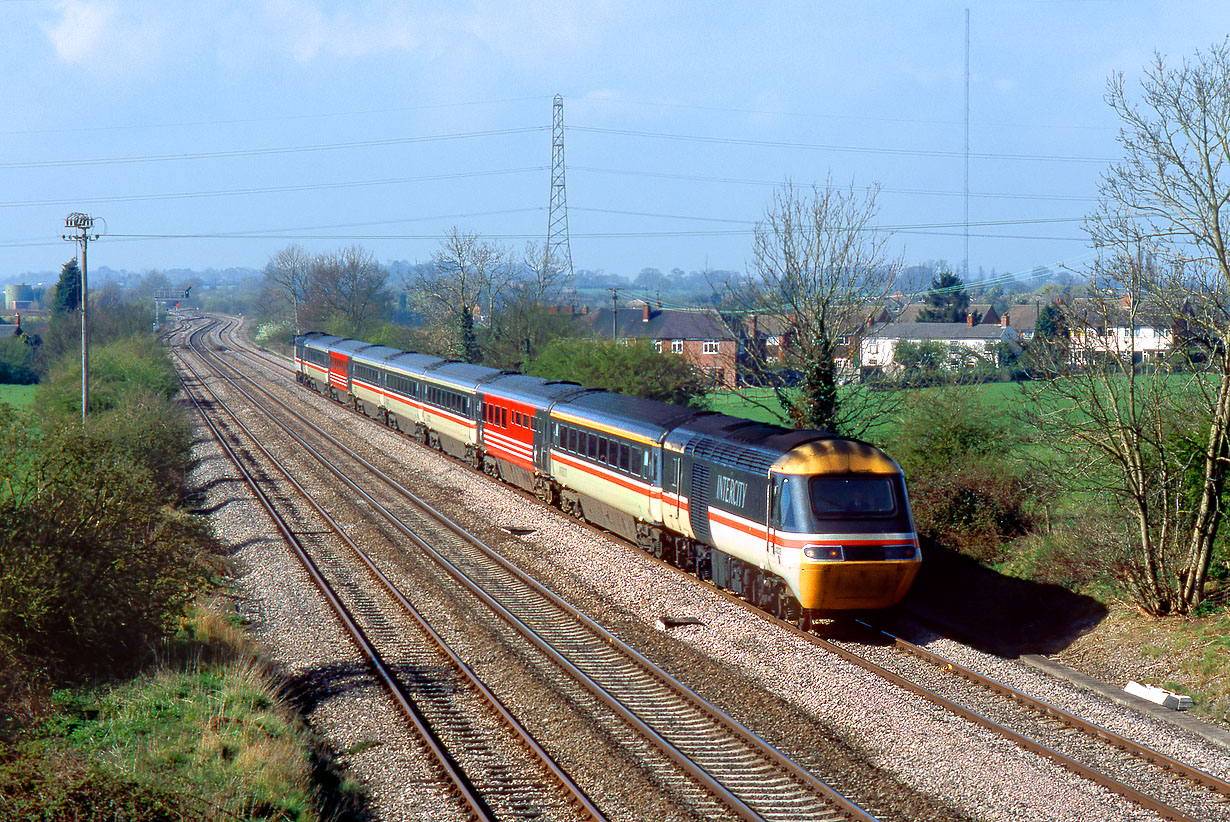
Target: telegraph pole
614 311
82 225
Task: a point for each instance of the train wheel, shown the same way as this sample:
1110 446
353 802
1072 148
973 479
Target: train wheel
790 609
805 619
685 557
753 586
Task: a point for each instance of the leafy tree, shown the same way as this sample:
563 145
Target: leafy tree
636 369
923 355
68 289
1050 324
947 300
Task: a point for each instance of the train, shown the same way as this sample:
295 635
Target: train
801 523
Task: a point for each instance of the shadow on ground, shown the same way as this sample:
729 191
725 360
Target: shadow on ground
995 613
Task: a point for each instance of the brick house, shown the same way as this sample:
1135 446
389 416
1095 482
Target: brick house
698 335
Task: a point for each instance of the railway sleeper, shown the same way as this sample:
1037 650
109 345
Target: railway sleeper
766 591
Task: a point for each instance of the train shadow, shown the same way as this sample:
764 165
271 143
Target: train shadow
998 614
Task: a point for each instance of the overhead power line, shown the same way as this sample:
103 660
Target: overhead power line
263 152
234 192
745 181
909 152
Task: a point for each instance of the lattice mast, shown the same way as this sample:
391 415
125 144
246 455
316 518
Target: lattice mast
559 251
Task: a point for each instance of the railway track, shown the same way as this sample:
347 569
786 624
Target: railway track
731 772
1159 783
427 678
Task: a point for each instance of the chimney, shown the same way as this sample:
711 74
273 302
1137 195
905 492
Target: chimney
1126 302
969 318
645 313
1004 322
752 327
584 310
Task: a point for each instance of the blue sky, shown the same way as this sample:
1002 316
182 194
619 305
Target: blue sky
385 123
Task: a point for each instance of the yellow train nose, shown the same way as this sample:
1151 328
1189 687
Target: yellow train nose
855 585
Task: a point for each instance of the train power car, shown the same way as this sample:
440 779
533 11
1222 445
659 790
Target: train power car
801 523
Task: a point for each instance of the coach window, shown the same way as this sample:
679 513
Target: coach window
602 443
623 456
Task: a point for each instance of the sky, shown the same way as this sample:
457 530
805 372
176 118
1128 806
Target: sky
212 134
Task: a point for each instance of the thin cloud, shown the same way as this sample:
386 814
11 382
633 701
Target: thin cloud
106 37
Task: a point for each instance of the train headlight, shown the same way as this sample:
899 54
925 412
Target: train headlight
827 553
899 551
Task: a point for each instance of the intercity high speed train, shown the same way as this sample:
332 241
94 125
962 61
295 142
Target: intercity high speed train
803 524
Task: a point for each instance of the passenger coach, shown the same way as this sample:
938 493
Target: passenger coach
801 523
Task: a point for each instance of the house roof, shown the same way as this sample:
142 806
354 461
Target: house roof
1022 317
944 331
663 324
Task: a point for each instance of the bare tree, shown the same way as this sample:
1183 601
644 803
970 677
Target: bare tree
287 275
820 274
350 285
1154 442
530 314
467 276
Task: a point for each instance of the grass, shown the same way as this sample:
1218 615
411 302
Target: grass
1190 656
18 396
204 735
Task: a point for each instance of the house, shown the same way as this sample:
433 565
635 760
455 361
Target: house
1097 329
877 349
769 338
698 335
1021 316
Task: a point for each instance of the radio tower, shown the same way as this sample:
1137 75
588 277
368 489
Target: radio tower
559 252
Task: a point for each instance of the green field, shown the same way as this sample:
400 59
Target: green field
18 396
742 403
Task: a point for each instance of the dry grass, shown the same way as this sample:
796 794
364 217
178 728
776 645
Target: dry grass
1191 656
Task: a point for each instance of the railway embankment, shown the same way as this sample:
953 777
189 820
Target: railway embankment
127 689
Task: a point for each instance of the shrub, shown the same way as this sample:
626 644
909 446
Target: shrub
637 369
94 565
118 369
973 509
66 786
16 361
150 430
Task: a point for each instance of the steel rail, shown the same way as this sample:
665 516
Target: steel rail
463 787
577 795
1091 728
1132 747
748 737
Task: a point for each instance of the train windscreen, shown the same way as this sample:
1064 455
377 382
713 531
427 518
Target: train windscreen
851 496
